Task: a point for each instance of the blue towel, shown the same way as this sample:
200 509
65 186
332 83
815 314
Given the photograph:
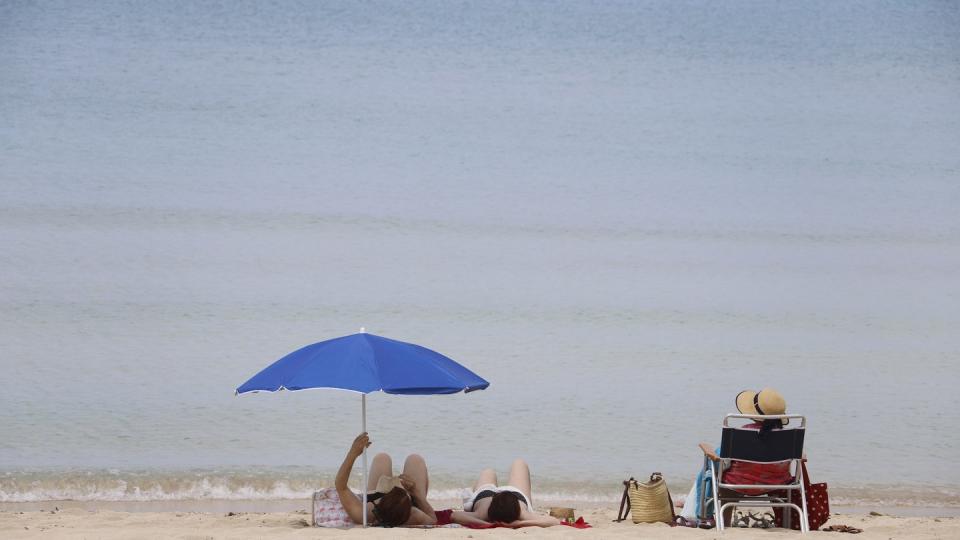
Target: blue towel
705 482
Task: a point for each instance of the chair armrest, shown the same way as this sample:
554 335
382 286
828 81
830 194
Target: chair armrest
708 452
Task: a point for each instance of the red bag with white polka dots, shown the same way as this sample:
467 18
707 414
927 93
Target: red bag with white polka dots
818 504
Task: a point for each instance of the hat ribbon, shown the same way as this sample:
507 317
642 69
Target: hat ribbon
756 403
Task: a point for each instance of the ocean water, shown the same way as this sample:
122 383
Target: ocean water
619 213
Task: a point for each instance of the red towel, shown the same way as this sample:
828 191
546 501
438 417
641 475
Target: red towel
579 524
444 517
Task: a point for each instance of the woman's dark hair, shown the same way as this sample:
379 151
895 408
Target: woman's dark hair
504 507
393 509
768 425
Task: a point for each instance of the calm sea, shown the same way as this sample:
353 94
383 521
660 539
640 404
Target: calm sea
619 213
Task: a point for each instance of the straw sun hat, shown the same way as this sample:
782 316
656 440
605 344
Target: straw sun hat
766 401
386 483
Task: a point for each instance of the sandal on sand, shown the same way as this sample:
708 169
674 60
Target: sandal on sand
741 520
763 521
684 522
842 528
708 523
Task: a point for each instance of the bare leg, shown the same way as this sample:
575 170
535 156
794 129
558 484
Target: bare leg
416 468
487 476
520 478
382 465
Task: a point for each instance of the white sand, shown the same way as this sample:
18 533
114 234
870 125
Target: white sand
112 524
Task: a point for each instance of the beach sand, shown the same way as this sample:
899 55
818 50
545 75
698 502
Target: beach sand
78 522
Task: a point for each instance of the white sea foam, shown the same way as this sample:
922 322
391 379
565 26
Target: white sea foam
154 488
143 486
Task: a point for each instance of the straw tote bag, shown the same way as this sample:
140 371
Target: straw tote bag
649 502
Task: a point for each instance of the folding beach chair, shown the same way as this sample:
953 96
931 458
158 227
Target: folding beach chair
748 445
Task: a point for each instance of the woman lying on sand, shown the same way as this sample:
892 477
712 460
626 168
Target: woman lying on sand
510 505
401 506
407 506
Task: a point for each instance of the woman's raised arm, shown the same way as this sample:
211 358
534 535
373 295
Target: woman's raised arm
351 503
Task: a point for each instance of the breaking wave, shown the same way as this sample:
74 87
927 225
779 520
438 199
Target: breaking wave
143 486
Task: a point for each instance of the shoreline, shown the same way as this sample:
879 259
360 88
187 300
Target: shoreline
268 506
186 486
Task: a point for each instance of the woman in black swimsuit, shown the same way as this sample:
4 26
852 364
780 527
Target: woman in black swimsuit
509 505
404 506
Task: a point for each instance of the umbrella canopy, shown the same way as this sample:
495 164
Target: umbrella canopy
366 363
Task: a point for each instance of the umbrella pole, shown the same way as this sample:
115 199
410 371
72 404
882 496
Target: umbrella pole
363 472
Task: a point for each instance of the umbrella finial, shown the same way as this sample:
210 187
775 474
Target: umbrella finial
363 330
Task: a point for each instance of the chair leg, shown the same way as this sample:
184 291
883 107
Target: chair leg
717 509
804 517
787 514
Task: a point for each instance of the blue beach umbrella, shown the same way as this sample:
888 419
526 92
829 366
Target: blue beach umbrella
366 363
